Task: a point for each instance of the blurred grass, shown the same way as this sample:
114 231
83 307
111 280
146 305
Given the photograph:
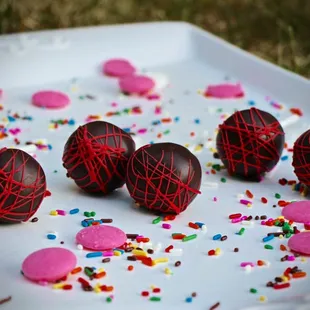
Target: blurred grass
277 30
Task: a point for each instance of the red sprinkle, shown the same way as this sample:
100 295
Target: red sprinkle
178 237
83 281
281 286
145 293
170 247
235 216
67 287
282 203
260 263
130 268
211 253
193 225
307 226
249 194
156 290
264 200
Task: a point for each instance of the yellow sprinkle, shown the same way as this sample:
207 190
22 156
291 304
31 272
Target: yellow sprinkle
161 260
117 253
199 92
280 217
153 286
217 251
58 286
168 271
139 253
213 150
284 279
262 298
198 148
51 126
249 205
53 212
100 270
209 165
281 237
186 145
303 259
74 89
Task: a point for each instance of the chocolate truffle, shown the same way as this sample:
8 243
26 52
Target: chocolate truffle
22 186
96 157
301 158
164 177
250 143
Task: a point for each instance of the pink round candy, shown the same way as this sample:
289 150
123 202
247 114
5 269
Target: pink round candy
298 212
300 243
136 84
101 237
48 265
50 99
118 68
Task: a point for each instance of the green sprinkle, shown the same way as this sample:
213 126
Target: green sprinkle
126 111
117 113
253 290
88 271
278 196
154 298
166 132
81 97
276 223
220 110
241 231
216 167
268 247
55 171
109 299
288 235
92 213
223 180
87 214
190 237
157 220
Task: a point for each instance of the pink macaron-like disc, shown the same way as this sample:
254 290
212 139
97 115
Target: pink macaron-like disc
101 237
298 212
300 243
224 91
136 84
118 68
50 264
50 99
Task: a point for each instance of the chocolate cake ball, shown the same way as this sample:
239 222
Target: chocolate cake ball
301 158
163 177
250 143
22 186
96 156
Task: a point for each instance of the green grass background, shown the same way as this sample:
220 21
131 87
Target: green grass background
277 30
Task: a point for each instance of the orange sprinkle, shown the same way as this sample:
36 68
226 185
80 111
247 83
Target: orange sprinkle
95 223
249 194
299 275
192 134
213 171
260 263
100 275
159 135
76 270
109 114
283 247
130 268
166 120
105 288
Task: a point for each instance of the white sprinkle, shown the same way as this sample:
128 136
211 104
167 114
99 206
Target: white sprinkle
247 223
290 120
204 228
79 247
210 184
240 196
267 263
248 268
176 252
158 247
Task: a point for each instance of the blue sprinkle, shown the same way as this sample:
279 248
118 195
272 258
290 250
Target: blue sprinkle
93 254
156 122
285 157
268 238
71 122
49 146
217 237
11 119
126 129
189 299
199 224
74 211
51 237
84 224
197 121
251 102
177 118
151 142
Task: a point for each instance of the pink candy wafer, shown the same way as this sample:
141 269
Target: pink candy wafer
136 84
224 91
101 237
49 265
300 243
118 68
50 99
298 212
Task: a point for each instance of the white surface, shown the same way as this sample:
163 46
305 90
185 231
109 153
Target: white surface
191 59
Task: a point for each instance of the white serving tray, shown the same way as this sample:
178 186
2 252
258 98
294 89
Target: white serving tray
69 60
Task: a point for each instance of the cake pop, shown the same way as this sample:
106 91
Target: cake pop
22 186
301 158
164 177
96 156
250 143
